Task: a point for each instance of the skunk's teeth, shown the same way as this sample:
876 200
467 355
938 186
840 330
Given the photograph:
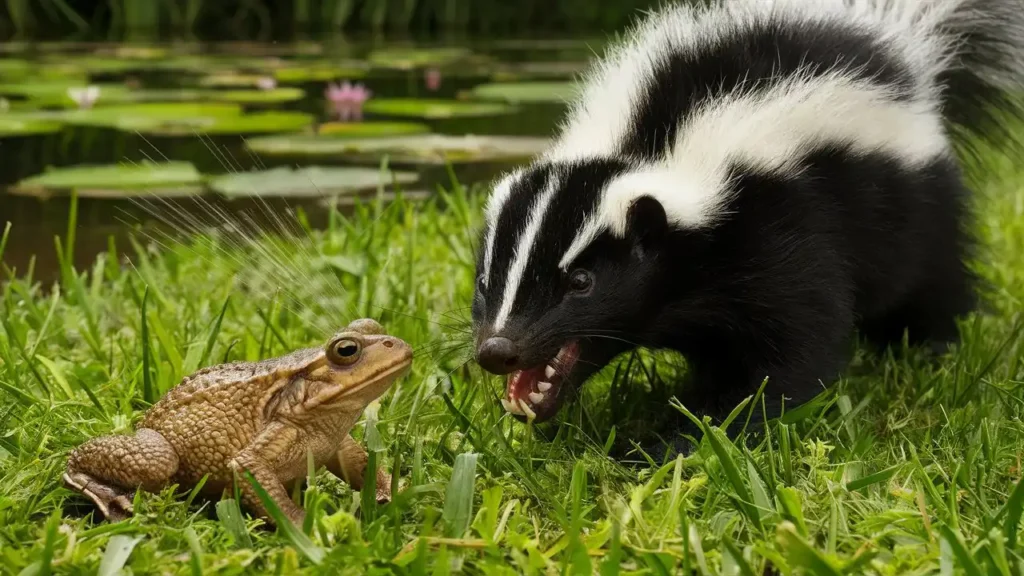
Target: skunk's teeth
530 414
510 407
549 372
544 386
536 397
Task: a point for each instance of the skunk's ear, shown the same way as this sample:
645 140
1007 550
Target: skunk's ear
648 222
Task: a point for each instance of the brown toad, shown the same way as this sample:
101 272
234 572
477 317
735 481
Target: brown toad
262 417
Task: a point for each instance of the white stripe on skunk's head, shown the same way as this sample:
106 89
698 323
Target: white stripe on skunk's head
547 324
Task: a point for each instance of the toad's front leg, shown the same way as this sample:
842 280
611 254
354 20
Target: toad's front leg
349 464
109 468
263 458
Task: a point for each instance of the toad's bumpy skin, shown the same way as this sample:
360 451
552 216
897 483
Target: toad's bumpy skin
262 417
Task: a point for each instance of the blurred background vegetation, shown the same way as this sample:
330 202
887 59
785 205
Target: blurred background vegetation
286 19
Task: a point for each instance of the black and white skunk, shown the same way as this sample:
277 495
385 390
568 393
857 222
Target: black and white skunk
750 183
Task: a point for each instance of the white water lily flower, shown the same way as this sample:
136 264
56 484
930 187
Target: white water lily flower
84 97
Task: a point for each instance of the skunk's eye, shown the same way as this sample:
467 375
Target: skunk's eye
480 283
580 281
344 352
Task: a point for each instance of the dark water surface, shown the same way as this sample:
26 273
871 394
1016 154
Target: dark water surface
37 220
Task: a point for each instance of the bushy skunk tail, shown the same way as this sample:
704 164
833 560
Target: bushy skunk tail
977 50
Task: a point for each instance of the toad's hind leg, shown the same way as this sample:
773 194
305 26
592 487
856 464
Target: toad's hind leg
349 464
108 469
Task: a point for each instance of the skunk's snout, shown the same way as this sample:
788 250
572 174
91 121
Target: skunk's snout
498 355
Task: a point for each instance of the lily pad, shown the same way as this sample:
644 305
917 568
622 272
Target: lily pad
319 73
435 109
11 67
426 149
412 58
116 116
274 96
13 125
232 79
310 182
97 64
164 179
136 52
527 71
233 125
526 92
370 129
56 92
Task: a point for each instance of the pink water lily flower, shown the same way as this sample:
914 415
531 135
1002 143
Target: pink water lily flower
86 97
346 100
432 78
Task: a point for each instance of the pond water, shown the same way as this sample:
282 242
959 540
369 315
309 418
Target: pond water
207 128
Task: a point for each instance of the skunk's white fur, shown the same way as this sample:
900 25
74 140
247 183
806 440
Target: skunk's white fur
538 210
769 131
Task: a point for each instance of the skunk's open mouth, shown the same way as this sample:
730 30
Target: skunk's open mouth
536 393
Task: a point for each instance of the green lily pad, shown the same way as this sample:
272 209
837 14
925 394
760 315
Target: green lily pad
311 182
233 125
547 44
165 179
232 79
412 58
528 71
14 68
526 92
424 149
274 96
132 116
97 64
318 73
14 125
135 52
55 92
435 109
370 129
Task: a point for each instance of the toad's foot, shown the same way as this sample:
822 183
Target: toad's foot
115 504
350 463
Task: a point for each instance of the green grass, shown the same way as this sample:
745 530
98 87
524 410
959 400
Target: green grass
906 467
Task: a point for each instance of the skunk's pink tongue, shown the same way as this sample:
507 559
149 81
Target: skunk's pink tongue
535 392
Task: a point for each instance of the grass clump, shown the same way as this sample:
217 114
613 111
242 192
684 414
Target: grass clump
906 466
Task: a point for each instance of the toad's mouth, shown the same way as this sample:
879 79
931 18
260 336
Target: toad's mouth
537 393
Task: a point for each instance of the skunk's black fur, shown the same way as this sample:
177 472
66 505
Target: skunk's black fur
752 262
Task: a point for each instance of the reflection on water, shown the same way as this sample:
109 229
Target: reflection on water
65 105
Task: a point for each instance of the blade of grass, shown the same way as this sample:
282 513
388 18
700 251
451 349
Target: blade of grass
799 553
148 393
116 555
293 534
211 339
458 499
964 558
230 516
872 479
196 549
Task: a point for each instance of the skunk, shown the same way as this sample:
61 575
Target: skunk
751 183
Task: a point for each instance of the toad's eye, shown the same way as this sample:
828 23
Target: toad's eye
345 351
580 281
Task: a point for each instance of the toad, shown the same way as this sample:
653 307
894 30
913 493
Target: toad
263 417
